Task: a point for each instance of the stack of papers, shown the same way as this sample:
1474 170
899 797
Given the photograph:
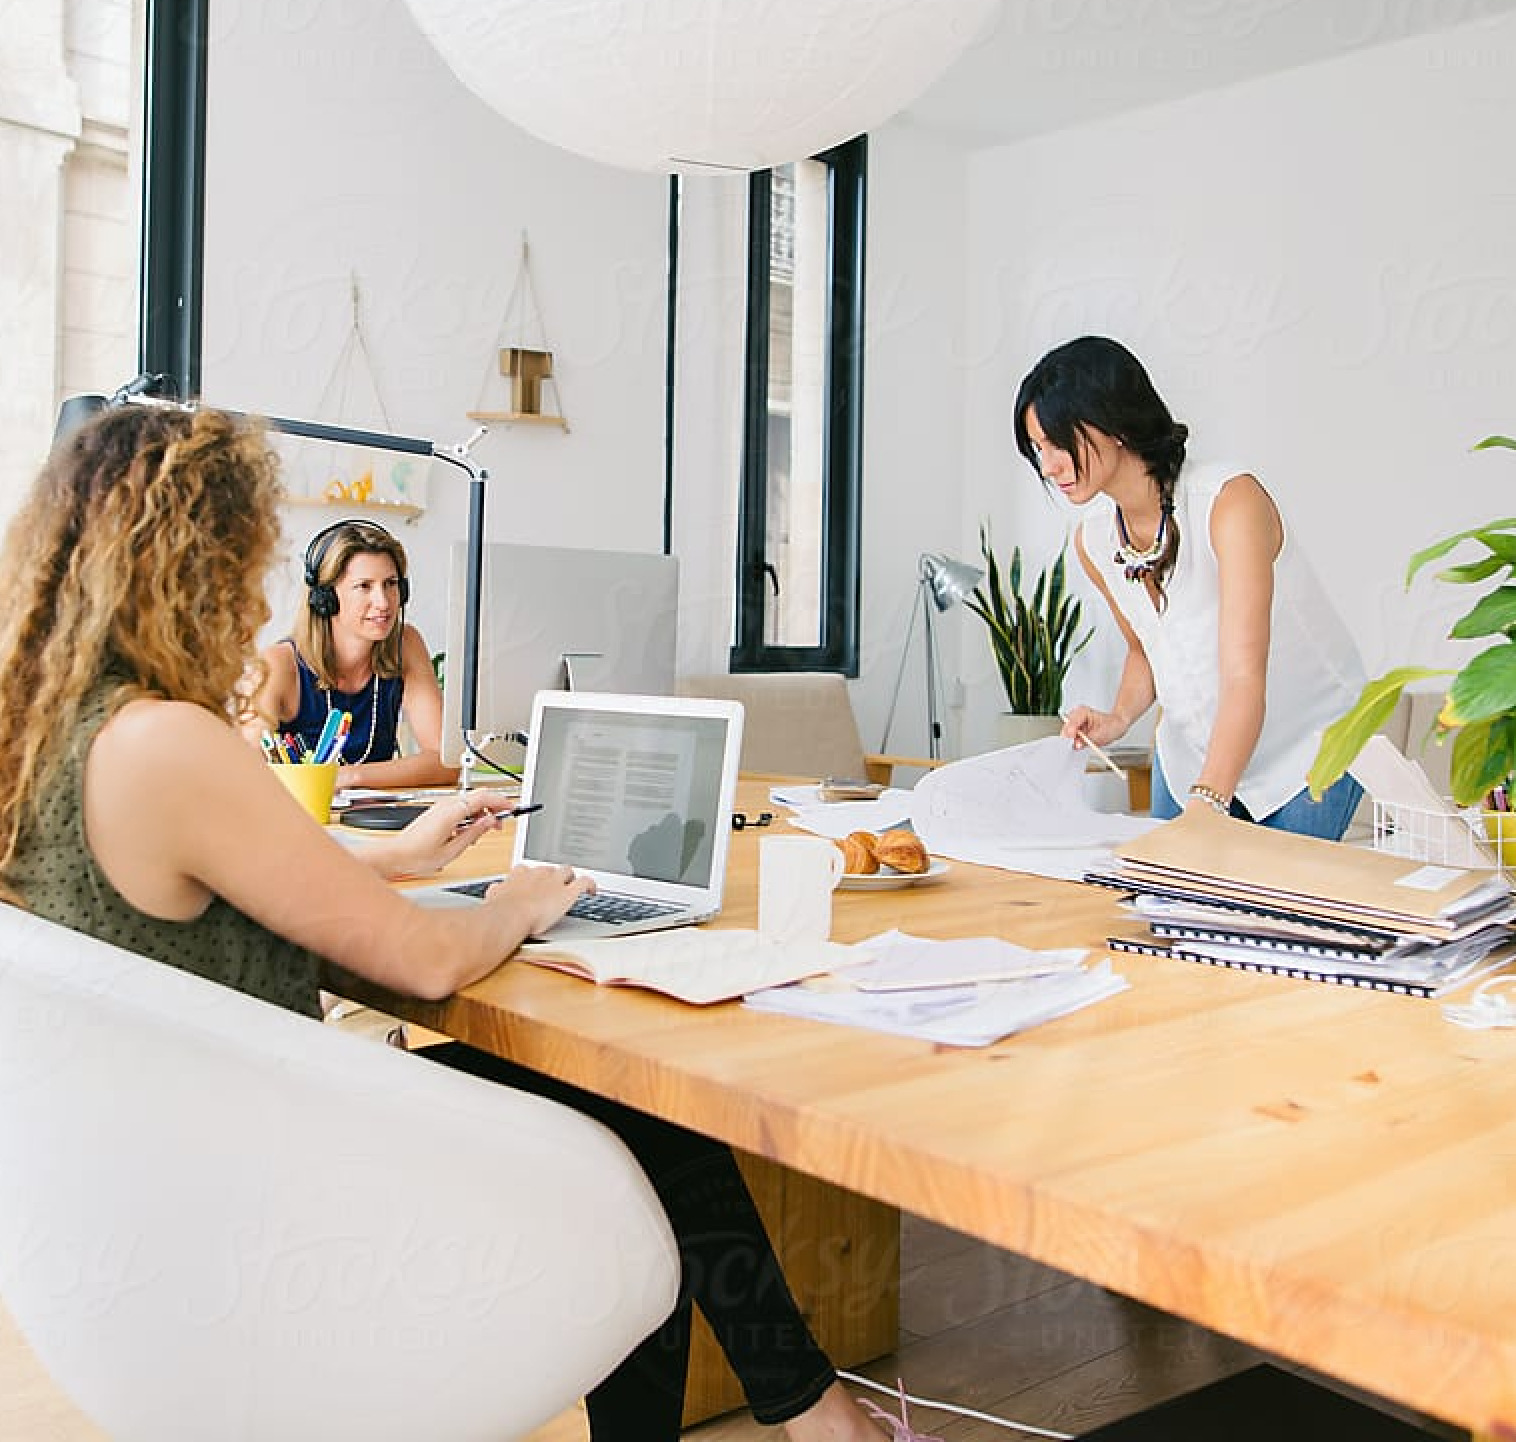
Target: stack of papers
1228 893
971 992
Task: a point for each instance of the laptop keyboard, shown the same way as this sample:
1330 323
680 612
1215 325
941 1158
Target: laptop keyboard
618 910
604 906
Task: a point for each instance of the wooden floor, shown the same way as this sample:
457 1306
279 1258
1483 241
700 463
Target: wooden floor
982 1328
993 1332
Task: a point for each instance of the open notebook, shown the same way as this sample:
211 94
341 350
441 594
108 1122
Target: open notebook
636 792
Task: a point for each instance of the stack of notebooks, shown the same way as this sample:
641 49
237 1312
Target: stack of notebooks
1227 893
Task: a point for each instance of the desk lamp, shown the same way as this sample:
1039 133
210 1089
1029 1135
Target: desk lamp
944 582
143 390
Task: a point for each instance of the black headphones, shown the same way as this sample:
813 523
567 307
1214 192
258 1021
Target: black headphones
322 599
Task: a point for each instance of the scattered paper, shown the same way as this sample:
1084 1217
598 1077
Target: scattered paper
835 819
900 962
950 1015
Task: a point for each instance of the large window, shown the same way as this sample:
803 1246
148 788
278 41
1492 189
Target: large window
798 526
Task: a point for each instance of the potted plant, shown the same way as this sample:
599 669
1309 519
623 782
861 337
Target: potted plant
1032 637
1480 709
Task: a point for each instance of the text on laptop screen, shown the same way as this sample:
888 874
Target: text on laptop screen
629 793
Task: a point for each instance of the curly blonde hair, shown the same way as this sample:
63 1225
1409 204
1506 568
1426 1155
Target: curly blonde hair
138 559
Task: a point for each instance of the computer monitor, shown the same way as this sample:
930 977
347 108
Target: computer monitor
554 618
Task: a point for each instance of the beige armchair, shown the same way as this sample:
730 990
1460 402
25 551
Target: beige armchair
799 723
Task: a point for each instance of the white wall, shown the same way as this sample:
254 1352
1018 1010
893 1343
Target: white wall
915 374
339 144
1317 268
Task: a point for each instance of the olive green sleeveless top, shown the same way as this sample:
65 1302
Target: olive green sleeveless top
56 876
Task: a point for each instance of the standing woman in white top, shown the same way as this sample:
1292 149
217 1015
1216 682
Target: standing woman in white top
1226 625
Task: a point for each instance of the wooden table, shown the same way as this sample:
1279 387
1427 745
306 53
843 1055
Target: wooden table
1325 1173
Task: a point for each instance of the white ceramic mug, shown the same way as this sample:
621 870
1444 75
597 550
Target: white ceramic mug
796 878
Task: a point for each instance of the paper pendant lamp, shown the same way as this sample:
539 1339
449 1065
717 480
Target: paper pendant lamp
699 85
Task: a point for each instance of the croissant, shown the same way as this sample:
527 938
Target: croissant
858 854
903 851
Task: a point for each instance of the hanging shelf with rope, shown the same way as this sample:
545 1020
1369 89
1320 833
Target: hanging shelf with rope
399 493
523 358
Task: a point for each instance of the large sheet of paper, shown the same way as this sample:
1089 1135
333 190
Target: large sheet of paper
1021 809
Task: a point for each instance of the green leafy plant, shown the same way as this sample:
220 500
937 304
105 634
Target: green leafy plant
1033 638
1480 709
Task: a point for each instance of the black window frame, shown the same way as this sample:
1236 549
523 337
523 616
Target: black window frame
837 649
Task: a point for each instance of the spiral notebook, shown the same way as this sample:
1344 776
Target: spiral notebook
1430 972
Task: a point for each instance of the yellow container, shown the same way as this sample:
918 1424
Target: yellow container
1500 827
311 785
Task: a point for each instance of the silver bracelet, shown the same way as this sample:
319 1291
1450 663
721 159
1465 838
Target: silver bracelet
1218 803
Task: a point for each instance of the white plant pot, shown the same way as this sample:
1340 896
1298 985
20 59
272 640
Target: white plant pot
1012 729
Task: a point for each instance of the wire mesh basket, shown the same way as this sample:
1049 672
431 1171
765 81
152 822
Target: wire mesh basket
1453 837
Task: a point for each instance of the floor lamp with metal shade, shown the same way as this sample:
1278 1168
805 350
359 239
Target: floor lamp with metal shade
941 584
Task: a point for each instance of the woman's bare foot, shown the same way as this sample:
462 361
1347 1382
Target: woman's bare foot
835 1417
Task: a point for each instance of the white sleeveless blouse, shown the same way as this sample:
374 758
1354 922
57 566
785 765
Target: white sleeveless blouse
1314 671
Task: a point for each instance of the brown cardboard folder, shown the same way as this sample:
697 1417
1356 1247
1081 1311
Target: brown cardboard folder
1244 862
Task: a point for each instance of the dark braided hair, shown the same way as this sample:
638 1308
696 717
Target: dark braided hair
1095 383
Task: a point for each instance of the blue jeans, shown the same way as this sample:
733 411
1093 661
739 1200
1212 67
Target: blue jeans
1326 818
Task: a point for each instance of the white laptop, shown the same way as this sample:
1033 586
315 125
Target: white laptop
637 793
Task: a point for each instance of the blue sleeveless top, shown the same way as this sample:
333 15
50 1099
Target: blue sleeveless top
370 720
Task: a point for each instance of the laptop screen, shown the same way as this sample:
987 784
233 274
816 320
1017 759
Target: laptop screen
636 793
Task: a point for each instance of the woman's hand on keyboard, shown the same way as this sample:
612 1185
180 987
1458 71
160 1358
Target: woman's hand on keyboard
541 894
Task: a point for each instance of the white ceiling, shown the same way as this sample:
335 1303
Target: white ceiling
1049 64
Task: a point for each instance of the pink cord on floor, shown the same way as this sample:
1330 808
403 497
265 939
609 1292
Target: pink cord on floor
900 1427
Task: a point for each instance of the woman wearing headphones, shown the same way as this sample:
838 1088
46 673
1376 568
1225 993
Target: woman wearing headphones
351 650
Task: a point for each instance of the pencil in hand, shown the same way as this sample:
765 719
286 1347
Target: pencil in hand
1099 754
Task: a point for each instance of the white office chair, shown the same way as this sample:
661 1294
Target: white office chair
219 1220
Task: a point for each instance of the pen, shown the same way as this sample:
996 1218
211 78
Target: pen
505 815
329 747
270 748
328 734
1098 752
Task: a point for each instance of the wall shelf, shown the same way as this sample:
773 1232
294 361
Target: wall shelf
391 510
524 418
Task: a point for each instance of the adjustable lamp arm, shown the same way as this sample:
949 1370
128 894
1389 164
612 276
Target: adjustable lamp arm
140 391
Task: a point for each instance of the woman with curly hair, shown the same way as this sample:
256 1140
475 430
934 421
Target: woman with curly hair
130 809
352 650
1225 623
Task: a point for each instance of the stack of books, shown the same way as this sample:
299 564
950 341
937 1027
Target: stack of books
1227 893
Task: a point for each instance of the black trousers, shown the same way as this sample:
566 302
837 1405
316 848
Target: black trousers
729 1271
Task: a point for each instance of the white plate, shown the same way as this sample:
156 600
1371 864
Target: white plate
886 880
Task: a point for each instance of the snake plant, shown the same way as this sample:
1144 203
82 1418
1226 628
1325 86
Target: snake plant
1033 638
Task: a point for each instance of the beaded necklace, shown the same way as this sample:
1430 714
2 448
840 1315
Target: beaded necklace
373 720
1138 565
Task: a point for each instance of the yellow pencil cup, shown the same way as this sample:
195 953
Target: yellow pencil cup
312 785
